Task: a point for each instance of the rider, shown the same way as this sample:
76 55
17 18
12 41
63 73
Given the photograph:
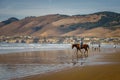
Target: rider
81 42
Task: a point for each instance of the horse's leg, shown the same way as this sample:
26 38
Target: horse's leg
77 54
80 53
86 52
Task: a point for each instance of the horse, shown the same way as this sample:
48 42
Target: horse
78 47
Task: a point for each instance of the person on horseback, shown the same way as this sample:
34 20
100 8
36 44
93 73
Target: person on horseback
81 42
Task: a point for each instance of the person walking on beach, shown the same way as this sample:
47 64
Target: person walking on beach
99 46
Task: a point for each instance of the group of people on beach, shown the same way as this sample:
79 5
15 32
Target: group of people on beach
96 47
93 47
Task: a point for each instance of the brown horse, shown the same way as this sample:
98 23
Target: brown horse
78 47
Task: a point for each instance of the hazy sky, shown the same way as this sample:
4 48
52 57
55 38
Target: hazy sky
23 8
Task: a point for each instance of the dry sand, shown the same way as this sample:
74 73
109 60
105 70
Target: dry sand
109 71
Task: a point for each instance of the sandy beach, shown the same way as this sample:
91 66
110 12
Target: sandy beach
96 72
61 65
104 67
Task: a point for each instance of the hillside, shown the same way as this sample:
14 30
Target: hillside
10 20
101 24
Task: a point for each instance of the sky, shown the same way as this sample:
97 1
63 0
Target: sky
24 8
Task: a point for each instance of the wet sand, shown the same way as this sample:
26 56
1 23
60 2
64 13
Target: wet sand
21 64
36 57
96 72
104 67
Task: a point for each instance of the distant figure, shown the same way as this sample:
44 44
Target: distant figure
114 46
99 45
81 43
96 48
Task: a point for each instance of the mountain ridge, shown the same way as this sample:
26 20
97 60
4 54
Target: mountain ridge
65 25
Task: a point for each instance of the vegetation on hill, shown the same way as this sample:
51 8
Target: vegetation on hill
57 24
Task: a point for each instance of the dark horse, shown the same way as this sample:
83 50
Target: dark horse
78 47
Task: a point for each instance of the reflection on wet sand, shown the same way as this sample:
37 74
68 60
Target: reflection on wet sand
41 57
31 63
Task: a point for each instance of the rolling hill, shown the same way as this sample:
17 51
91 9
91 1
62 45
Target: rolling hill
101 24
